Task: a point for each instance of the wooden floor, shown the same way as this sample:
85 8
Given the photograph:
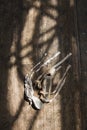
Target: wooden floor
28 30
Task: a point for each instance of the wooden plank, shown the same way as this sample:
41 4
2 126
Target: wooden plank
28 30
82 25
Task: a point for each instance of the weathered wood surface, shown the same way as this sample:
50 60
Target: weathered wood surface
30 28
82 26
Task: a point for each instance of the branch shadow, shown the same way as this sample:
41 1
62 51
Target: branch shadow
70 95
64 30
13 18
